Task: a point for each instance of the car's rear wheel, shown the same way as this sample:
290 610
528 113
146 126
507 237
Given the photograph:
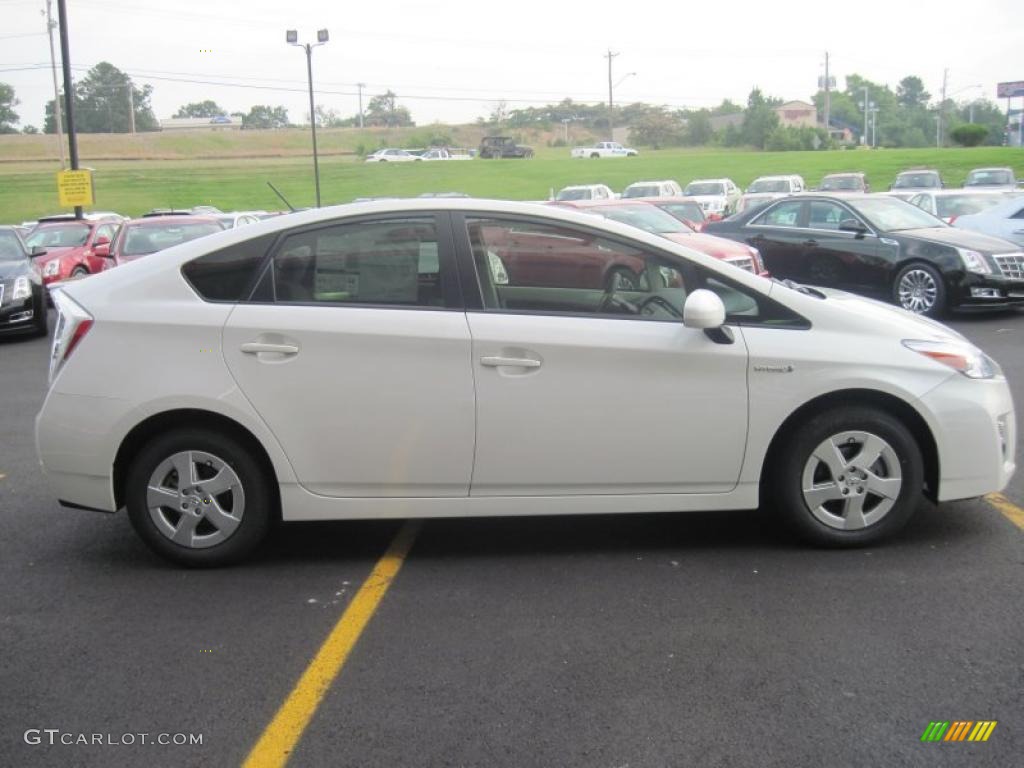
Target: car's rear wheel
919 288
79 272
848 477
199 498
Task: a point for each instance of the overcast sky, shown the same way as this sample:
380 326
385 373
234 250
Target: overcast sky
449 61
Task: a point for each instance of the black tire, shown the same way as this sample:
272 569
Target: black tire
786 473
924 273
594 155
257 488
79 272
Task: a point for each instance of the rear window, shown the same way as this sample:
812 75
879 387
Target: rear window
228 274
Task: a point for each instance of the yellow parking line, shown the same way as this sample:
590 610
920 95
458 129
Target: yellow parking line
279 738
1011 511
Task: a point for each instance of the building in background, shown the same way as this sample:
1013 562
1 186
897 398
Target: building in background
797 114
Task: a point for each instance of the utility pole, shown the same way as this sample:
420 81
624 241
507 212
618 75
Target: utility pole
69 94
942 109
361 86
131 107
828 99
292 38
58 120
611 108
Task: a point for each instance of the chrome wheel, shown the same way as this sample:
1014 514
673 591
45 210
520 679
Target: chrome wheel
195 499
851 480
917 291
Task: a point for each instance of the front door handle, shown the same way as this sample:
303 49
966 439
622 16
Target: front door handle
256 347
511 362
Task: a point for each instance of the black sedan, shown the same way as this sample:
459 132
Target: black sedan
883 247
22 296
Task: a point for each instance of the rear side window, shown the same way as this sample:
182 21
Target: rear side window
394 262
228 274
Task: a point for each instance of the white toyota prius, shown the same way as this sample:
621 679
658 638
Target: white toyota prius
442 358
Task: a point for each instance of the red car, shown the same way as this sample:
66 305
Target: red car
650 218
71 246
686 209
140 237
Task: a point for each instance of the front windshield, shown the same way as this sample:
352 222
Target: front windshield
645 217
644 190
704 188
988 179
573 194
769 185
963 205
916 181
830 183
148 238
889 214
10 246
69 235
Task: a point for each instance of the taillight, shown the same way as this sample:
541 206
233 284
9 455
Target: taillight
73 323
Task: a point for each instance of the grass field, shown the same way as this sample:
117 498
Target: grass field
28 188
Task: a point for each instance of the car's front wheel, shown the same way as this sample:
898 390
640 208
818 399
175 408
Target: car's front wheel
848 477
919 288
199 498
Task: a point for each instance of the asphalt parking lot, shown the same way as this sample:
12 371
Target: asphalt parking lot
648 640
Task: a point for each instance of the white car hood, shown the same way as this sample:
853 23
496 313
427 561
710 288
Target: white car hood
849 309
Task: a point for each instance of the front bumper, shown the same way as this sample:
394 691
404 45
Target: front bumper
979 291
975 432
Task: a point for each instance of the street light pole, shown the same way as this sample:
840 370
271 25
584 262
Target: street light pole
865 141
361 86
292 36
611 109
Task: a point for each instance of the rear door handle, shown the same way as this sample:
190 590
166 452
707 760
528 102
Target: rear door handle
512 362
256 347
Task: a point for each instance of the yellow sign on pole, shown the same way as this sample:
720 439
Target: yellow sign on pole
74 188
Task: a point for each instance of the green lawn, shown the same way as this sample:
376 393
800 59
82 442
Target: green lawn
28 189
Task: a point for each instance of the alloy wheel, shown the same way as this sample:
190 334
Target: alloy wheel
195 499
917 291
851 480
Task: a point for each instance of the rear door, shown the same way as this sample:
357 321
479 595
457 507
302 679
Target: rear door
355 352
778 233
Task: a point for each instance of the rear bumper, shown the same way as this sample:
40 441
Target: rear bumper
976 436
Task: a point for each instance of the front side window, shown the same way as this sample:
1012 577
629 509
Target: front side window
538 267
782 215
826 215
393 262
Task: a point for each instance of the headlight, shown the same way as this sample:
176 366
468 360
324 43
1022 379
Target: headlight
52 268
974 261
22 289
961 357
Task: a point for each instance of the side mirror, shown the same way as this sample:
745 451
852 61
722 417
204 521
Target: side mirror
37 250
703 309
102 250
851 225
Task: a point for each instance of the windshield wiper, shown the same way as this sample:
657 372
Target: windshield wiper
801 288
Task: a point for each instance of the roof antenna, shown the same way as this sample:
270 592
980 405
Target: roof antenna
278 193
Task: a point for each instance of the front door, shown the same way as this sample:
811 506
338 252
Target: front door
778 234
841 259
356 355
595 386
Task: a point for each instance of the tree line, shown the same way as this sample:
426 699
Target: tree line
107 101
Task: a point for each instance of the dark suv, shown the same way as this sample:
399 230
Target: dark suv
503 146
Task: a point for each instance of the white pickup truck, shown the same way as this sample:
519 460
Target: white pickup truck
604 149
